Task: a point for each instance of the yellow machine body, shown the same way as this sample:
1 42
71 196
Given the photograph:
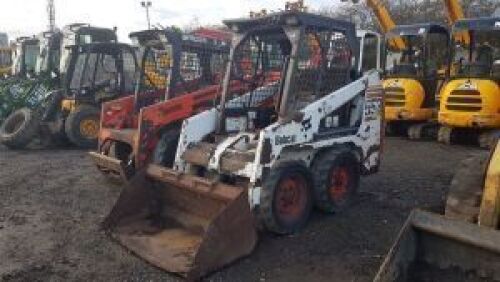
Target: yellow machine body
404 100
436 246
489 211
68 105
470 103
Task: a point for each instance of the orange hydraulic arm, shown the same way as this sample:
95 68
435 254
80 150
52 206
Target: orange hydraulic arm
456 13
384 19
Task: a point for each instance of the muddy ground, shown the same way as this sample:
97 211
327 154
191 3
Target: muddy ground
51 203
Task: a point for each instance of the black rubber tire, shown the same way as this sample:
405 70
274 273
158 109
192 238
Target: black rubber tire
72 126
165 150
267 213
19 128
322 167
464 196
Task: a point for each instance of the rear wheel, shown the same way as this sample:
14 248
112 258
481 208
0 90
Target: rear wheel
19 129
286 200
82 126
466 190
336 178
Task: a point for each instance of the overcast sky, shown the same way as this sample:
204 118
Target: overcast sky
25 17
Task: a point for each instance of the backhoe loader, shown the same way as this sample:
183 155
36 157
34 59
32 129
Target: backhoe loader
181 76
470 100
15 88
27 99
96 72
462 245
263 159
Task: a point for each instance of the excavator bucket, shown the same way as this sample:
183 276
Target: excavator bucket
183 224
431 247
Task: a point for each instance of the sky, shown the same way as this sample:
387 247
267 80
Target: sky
28 17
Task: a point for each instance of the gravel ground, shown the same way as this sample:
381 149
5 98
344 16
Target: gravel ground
51 203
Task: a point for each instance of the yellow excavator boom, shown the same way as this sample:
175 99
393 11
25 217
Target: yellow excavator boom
385 21
454 14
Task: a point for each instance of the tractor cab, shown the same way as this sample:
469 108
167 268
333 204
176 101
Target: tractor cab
470 100
25 56
101 71
49 53
414 73
79 34
5 60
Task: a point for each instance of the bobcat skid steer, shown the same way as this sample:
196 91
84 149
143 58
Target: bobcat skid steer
462 245
180 77
262 159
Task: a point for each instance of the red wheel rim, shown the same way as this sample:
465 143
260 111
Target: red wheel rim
339 183
291 198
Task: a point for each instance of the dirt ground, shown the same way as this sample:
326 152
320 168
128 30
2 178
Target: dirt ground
51 203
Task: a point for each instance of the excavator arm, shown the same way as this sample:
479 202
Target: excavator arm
385 21
456 13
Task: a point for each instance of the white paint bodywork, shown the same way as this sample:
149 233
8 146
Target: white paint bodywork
302 135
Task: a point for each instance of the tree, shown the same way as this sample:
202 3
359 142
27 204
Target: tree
407 11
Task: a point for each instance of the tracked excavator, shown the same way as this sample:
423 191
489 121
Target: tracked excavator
415 69
263 159
470 103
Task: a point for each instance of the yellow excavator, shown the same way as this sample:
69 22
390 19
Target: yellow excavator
470 100
415 68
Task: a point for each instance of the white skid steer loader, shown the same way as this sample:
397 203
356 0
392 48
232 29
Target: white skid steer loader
263 159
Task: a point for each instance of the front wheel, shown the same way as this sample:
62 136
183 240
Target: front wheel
82 126
286 200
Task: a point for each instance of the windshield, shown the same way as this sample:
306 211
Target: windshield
260 64
99 70
5 58
421 56
370 51
30 57
480 58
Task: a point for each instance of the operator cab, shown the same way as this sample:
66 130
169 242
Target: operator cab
480 58
284 62
101 71
175 64
424 53
49 53
25 56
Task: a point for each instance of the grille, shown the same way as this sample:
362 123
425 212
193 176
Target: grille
395 97
464 101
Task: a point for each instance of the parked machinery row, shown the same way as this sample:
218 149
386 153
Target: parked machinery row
249 138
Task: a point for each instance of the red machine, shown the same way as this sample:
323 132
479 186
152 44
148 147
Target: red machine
180 77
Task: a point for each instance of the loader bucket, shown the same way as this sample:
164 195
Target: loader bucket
196 227
431 247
